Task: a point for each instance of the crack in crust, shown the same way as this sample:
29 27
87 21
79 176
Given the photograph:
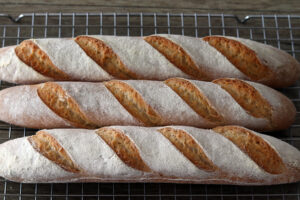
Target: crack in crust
134 103
195 99
29 53
247 96
124 148
189 148
63 105
176 55
255 147
104 56
240 56
47 145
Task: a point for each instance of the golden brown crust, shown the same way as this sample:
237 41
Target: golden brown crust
188 147
240 56
134 103
255 147
247 96
33 56
176 55
63 105
104 56
195 99
124 148
51 149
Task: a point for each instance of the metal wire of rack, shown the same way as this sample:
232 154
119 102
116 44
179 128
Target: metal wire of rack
282 31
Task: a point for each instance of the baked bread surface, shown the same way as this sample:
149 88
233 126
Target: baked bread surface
175 101
154 57
227 155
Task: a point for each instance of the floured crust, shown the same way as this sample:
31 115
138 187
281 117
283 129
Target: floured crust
285 67
46 145
14 70
257 149
134 103
104 56
195 99
70 58
189 147
22 106
165 161
240 56
63 105
276 100
247 96
150 103
36 58
176 55
156 57
124 148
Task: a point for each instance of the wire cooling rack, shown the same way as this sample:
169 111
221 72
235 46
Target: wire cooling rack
282 31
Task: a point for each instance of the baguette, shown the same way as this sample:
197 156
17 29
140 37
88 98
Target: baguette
155 57
180 154
176 101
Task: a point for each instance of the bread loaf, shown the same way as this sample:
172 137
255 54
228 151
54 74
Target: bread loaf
155 57
176 101
223 155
